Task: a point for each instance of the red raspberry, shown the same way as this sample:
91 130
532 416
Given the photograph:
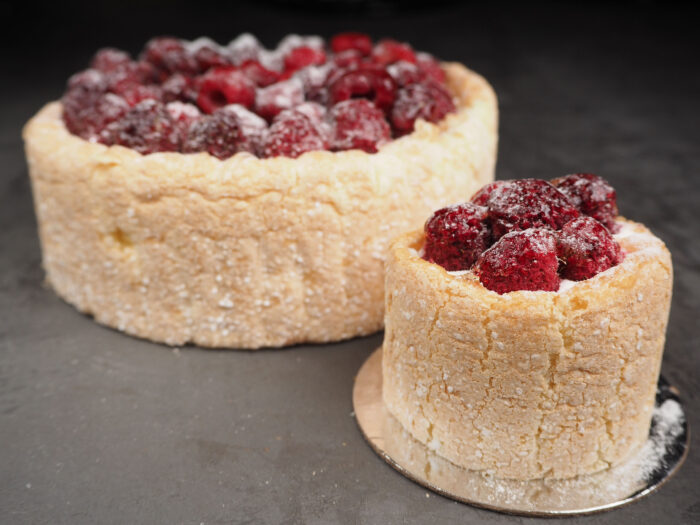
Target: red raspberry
347 59
528 203
135 93
592 195
373 84
405 73
244 48
131 74
183 115
455 236
169 56
222 86
481 197
88 122
352 41
179 87
146 128
428 101
208 58
88 82
109 59
359 124
182 112
225 132
388 51
259 74
129 80
291 134
87 108
273 99
313 80
586 248
316 112
304 56
431 67
520 260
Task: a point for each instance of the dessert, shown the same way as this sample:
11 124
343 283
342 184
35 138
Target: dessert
535 352
241 197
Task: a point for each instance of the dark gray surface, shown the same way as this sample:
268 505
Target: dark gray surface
98 427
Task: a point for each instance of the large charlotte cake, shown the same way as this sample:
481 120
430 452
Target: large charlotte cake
525 329
243 197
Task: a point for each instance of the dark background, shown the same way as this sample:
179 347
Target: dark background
98 427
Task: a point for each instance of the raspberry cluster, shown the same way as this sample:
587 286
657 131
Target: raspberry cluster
304 95
529 234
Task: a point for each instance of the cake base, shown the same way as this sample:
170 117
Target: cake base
642 474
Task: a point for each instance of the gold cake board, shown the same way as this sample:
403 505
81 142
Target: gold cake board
641 475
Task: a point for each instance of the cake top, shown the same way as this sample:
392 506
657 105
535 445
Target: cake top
528 234
305 95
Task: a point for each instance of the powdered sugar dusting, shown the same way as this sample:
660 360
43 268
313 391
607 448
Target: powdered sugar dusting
643 469
244 47
180 110
201 43
248 120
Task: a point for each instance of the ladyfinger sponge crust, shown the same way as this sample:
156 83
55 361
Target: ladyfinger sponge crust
527 385
245 252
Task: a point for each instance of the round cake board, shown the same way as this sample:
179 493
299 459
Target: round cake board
649 468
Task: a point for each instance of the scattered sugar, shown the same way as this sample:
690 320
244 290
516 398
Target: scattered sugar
202 42
602 488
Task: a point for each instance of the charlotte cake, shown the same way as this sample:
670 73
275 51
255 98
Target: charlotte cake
489 369
240 197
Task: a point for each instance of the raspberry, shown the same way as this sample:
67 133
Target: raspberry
87 108
88 122
347 59
359 124
183 115
108 59
586 248
313 79
592 195
291 134
373 84
244 48
179 87
431 68
207 54
291 42
352 41
129 80
428 101
146 128
528 203
135 93
225 132
405 73
316 112
520 260
388 51
304 56
481 197
455 236
259 74
273 99
88 82
169 56
222 86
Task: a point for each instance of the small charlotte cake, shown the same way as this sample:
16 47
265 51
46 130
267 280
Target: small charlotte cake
525 329
241 197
